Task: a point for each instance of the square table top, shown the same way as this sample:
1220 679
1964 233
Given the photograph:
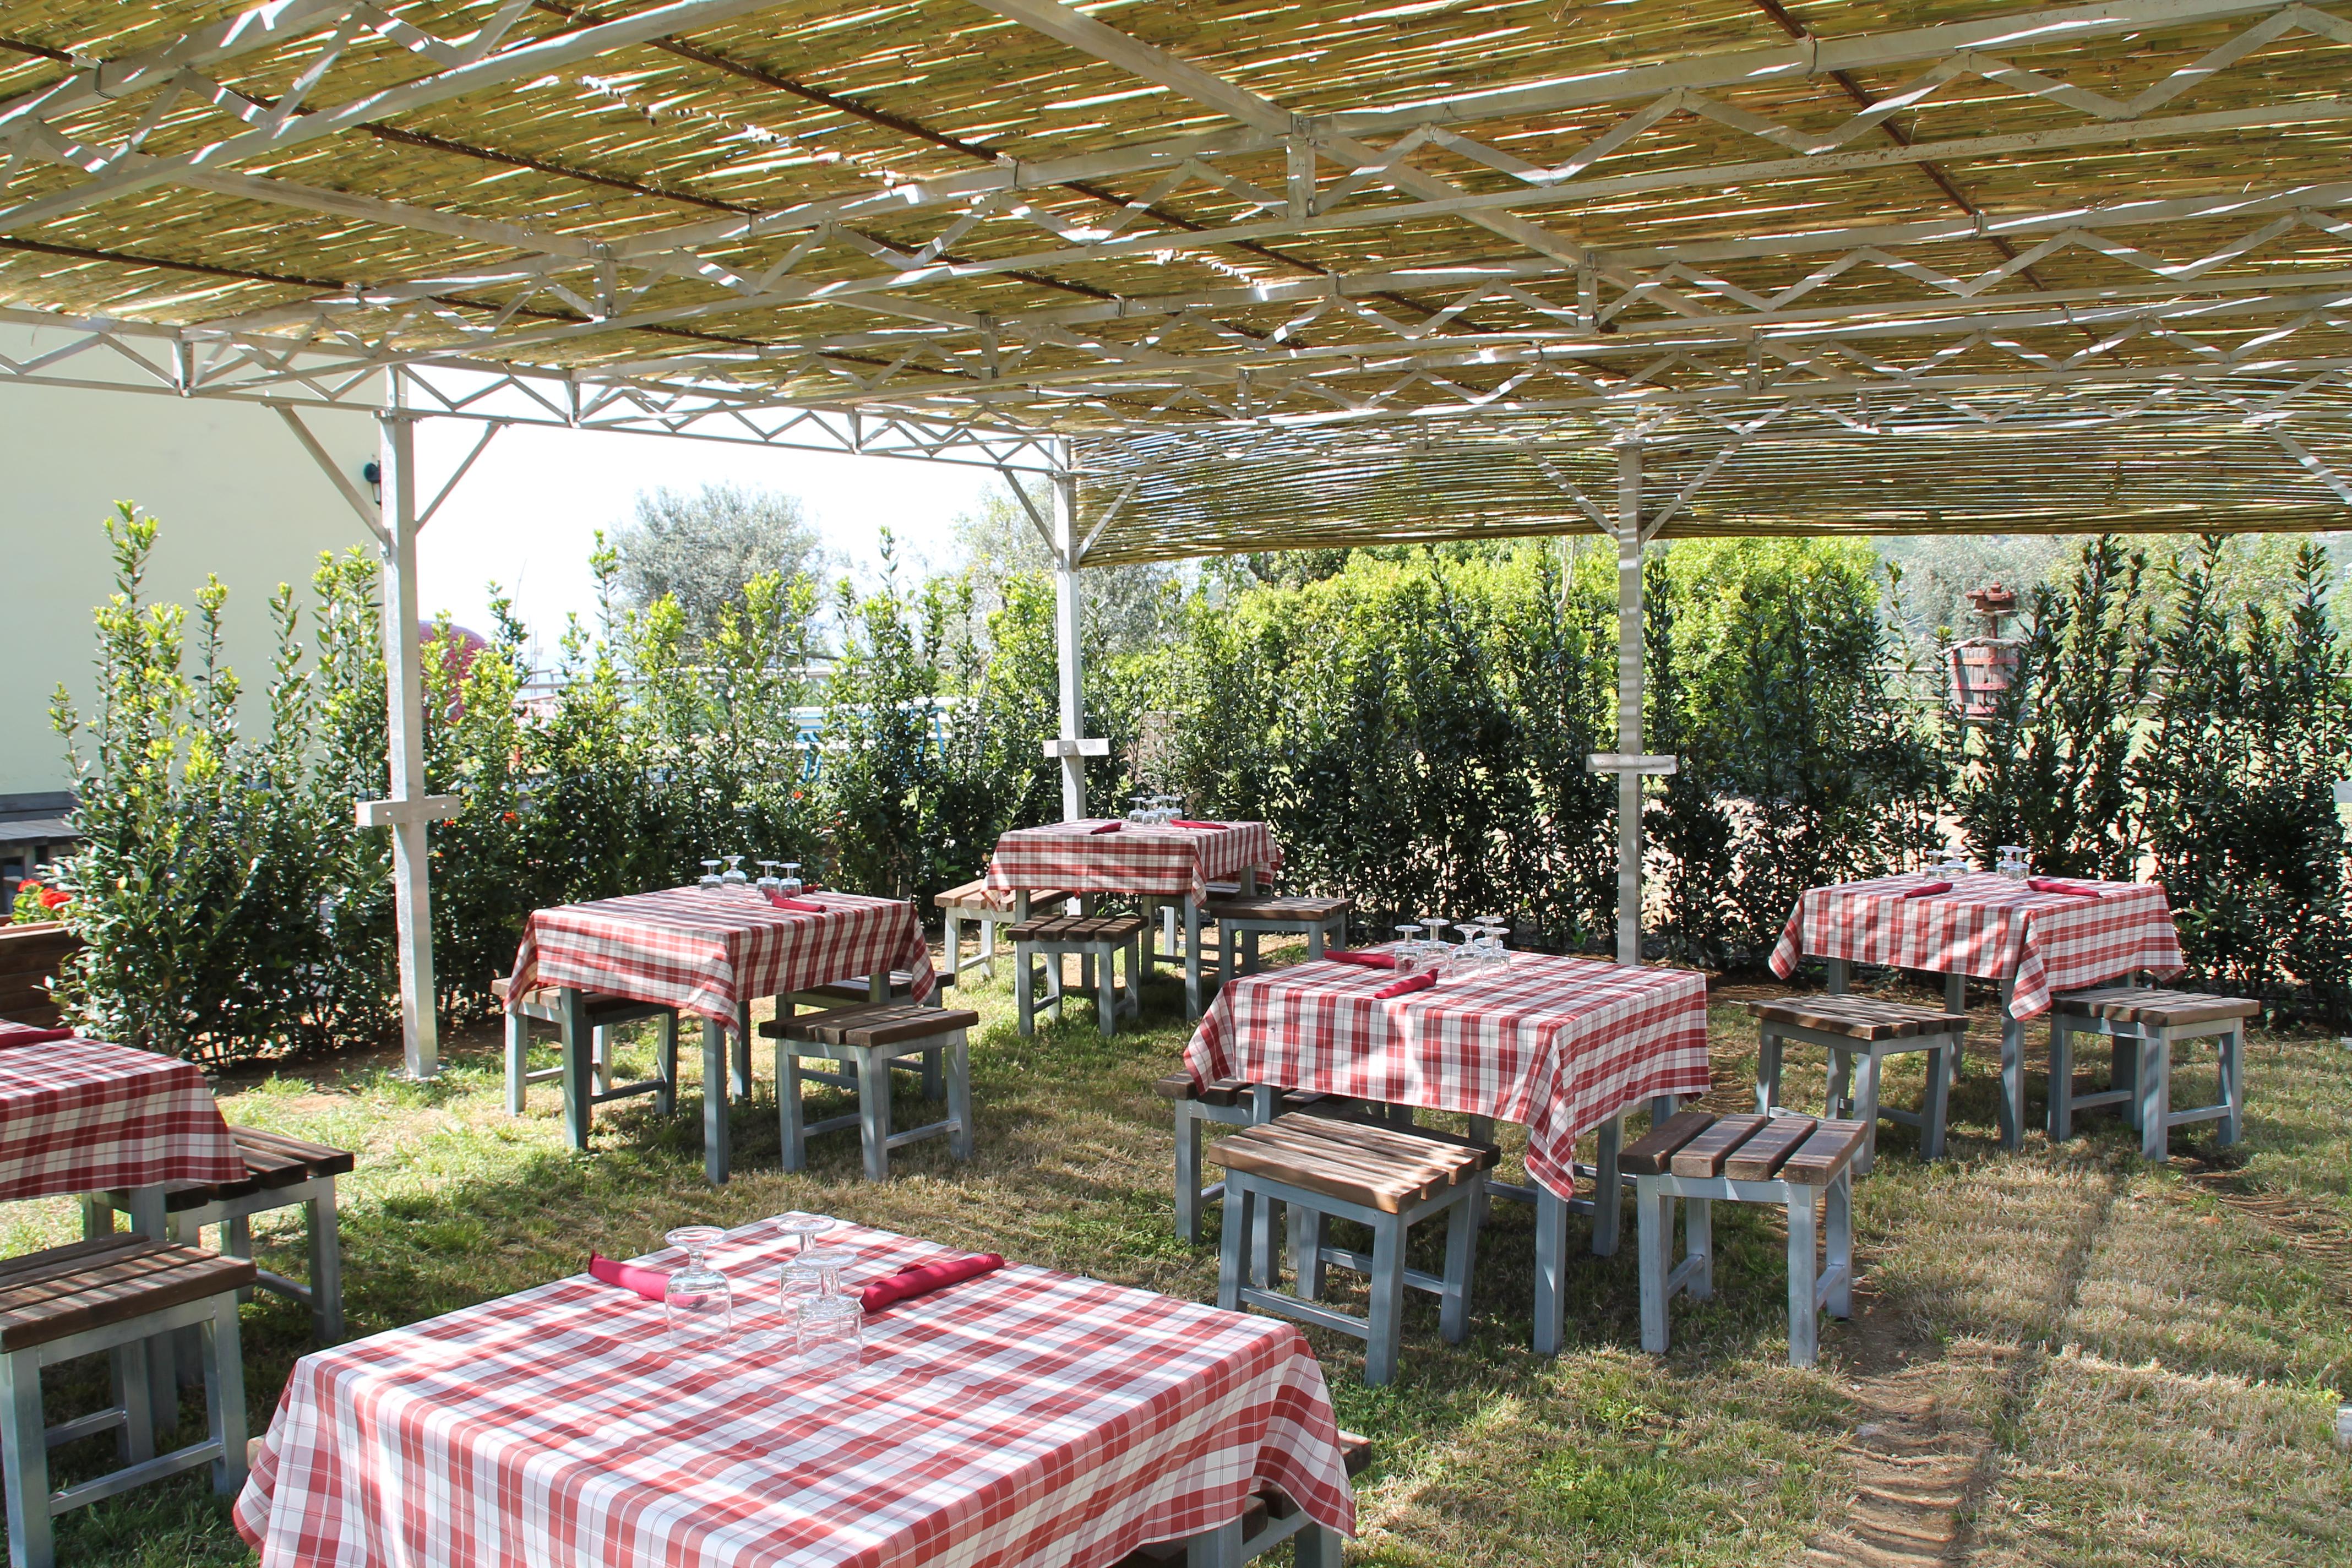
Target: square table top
80 1116
1164 861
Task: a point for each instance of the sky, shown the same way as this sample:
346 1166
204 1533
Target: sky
525 515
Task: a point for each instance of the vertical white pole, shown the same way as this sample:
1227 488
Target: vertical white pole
403 666
1067 608
1629 700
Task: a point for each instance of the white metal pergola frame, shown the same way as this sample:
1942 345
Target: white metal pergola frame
2223 315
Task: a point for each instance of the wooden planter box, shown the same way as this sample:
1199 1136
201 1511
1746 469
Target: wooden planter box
29 954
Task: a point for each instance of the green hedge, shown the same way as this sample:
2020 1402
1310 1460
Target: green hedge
1414 724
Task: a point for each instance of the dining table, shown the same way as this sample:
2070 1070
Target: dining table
1560 1046
1025 1417
2033 936
709 952
1170 864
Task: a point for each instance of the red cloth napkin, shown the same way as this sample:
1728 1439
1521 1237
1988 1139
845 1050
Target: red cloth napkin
1362 955
1925 888
1105 827
908 1283
801 905
650 1283
1188 822
2049 885
1408 985
21 1035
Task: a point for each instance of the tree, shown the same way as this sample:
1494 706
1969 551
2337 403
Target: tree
700 549
1127 609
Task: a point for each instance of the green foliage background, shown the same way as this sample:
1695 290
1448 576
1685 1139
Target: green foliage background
1413 722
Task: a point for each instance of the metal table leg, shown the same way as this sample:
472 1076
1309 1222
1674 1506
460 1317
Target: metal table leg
714 1103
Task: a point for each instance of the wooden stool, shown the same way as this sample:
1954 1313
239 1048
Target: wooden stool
1228 1102
1793 1160
972 902
858 991
112 1294
1241 920
279 1174
605 1014
868 1041
1375 1175
1861 1031
2145 1025
1270 1519
1096 938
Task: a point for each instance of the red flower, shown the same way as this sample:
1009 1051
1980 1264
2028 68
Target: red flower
510 816
34 888
53 897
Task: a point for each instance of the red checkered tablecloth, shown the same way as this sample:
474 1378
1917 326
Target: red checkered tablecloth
1164 862
1558 1044
1990 927
1025 1419
79 1116
710 954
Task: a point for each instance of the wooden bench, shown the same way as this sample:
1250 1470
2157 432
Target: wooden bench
1860 1033
599 1017
1270 1519
1096 940
112 1295
1228 1102
972 902
2145 1023
30 957
1241 919
1793 1160
867 1040
1379 1177
280 1173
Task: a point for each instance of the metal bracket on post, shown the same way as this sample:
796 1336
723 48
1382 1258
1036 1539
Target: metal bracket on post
1056 750
1618 762
425 808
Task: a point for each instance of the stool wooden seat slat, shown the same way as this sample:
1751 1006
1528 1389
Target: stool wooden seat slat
1860 1033
1378 1176
1095 940
2145 1023
869 1041
114 1294
1242 918
1698 1161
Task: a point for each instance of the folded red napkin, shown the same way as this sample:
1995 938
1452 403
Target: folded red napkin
1364 956
908 1283
1105 827
1409 984
2050 884
24 1036
1188 822
650 1283
801 905
1925 888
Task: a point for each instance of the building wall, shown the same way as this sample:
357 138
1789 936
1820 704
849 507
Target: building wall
236 496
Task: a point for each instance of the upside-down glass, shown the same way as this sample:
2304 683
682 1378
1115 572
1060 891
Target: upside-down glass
710 882
769 881
832 1332
733 876
1140 812
792 884
800 1230
2012 863
1467 958
697 1303
1408 948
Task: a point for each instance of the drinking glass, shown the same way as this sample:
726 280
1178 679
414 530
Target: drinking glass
710 882
1469 957
698 1303
734 877
769 881
791 884
1141 813
1492 932
799 1229
2012 862
1408 948
1169 806
832 1334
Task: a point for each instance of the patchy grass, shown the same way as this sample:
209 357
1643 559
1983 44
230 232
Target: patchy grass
2058 1357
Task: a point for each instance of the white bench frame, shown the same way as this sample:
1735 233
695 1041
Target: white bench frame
2141 1079
1810 1292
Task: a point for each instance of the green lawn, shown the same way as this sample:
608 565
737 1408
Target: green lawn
2057 1357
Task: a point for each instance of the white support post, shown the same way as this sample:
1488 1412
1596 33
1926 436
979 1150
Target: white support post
404 665
1629 699
1067 608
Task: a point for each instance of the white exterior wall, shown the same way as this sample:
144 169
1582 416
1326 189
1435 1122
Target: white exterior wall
236 495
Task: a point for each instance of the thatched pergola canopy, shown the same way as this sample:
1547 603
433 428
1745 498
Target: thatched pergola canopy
1263 275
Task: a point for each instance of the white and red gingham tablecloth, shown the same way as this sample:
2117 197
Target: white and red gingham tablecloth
1989 927
79 1116
1024 1419
1164 862
710 953
1558 1044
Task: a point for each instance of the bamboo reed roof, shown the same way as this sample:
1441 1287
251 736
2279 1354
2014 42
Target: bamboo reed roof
1280 273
